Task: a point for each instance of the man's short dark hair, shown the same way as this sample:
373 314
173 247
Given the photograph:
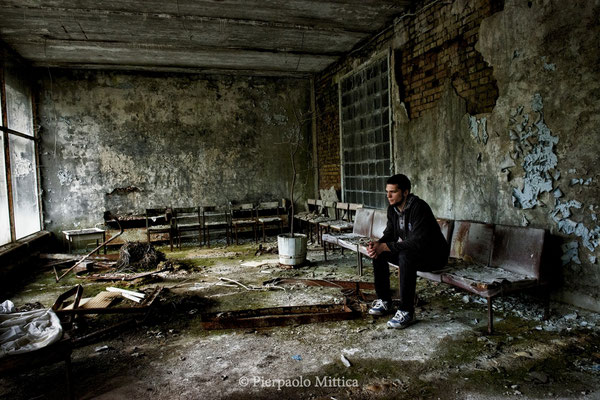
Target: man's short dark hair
401 180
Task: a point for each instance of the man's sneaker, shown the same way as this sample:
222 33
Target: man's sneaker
401 320
379 307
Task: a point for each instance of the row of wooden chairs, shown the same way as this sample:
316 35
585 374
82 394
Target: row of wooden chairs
317 218
181 222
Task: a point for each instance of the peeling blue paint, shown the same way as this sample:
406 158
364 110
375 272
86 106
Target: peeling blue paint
539 158
565 208
570 253
567 226
478 129
557 193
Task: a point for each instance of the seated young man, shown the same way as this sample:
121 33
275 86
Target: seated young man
413 241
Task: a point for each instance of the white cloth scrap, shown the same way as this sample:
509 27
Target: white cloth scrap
21 332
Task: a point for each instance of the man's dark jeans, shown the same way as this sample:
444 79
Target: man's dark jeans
409 263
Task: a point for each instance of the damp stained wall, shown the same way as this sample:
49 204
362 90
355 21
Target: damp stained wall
533 159
530 157
128 141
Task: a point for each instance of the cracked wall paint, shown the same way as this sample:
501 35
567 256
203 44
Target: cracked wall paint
179 140
535 143
478 129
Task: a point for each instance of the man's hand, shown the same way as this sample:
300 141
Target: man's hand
374 249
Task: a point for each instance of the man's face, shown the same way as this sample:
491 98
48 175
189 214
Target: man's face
394 195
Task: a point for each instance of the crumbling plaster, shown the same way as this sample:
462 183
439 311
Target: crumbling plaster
541 144
125 142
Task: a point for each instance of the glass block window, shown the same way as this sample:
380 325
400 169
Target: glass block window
366 144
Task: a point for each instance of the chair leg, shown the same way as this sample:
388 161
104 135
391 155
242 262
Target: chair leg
325 250
255 233
359 260
264 236
490 316
208 237
236 234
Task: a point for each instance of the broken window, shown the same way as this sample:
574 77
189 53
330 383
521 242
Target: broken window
366 143
4 219
24 186
18 135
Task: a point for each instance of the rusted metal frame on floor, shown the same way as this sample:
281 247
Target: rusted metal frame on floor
278 316
324 283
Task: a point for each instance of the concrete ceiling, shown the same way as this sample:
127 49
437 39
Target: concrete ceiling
256 37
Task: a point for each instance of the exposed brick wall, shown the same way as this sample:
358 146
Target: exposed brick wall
328 134
442 47
438 47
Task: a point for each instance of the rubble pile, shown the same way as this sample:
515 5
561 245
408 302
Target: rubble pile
137 256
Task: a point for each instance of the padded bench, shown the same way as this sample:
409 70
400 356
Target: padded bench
485 259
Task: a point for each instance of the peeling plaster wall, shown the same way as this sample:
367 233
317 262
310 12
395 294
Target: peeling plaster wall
126 142
532 160
546 59
528 158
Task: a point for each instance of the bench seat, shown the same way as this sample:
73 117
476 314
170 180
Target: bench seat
485 259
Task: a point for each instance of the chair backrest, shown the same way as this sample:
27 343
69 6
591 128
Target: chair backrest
186 215
446 226
242 211
472 242
352 207
518 249
341 211
267 208
212 213
329 208
363 221
157 216
379 223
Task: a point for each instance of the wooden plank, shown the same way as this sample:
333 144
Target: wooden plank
354 15
101 300
169 56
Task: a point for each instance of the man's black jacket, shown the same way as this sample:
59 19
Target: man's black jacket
420 233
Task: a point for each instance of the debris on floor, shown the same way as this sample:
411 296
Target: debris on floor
137 256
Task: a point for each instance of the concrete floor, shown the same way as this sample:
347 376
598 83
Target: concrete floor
447 354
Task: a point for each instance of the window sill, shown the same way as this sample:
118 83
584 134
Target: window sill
28 241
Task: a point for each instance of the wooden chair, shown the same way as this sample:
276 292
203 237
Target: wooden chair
304 216
214 218
242 216
322 216
267 213
158 221
185 220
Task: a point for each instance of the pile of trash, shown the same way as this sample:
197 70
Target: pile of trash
137 256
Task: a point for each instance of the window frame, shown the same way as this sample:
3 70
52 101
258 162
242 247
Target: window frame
376 58
7 133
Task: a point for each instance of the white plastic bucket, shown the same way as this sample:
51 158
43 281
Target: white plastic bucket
292 250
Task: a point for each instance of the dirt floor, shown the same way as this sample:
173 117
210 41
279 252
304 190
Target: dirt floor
447 354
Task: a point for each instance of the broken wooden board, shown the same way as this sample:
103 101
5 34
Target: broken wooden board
101 300
100 308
